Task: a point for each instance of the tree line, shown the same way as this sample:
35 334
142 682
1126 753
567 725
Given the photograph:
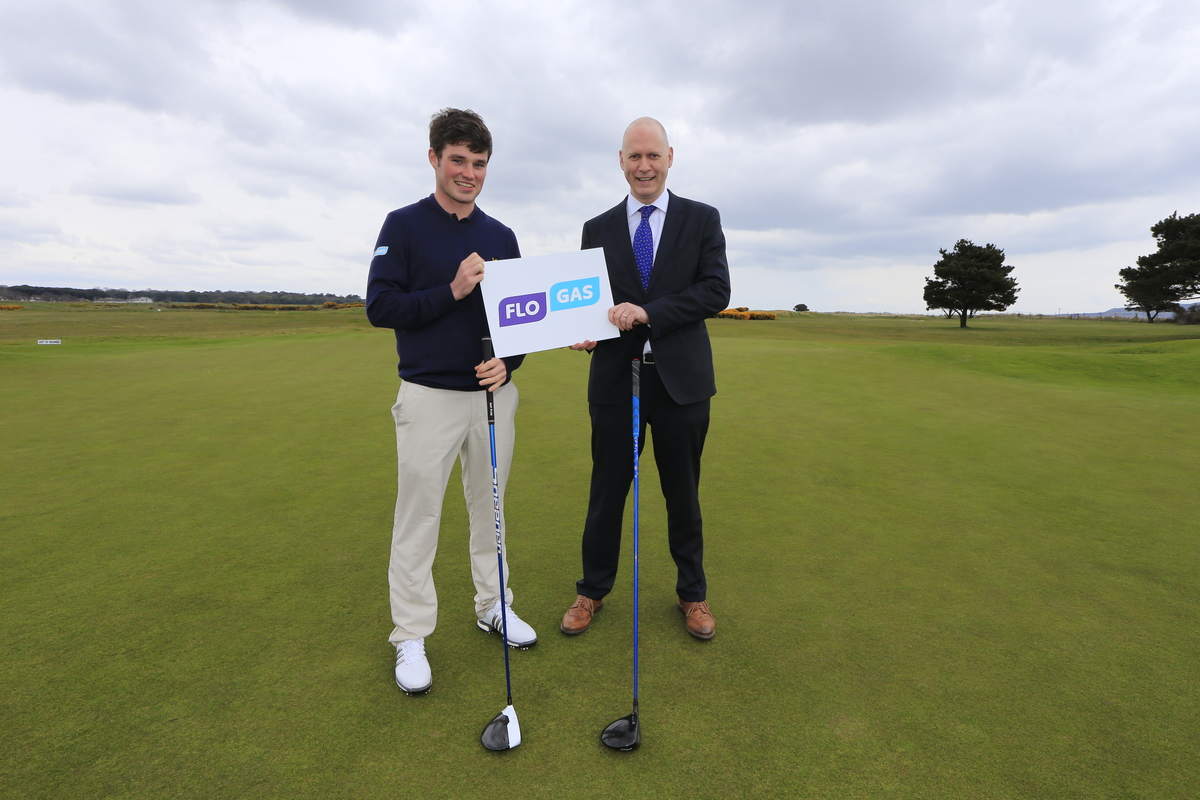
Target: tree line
1164 279
970 278
68 295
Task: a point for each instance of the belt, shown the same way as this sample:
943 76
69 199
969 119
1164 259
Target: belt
648 358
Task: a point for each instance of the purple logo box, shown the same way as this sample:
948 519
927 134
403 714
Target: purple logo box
522 309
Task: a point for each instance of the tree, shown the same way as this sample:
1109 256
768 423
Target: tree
969 280
1171 274
800 307
1151 290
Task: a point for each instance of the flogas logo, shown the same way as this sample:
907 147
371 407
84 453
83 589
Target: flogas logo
574 294
522 308
525 308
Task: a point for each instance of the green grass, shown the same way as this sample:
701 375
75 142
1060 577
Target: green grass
944 564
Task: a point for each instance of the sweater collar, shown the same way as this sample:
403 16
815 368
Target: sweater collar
435 208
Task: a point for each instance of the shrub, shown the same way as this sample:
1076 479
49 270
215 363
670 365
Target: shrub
1188 316
741 308
257 307
744 313
11 308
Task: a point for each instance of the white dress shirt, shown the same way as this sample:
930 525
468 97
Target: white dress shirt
633 210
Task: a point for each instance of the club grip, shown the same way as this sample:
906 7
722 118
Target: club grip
637 377
488 355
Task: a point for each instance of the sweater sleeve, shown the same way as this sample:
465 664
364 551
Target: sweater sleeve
391 303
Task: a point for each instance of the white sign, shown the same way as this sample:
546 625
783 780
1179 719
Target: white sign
49 341
544 302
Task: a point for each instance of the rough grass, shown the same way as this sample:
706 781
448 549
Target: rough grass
944 564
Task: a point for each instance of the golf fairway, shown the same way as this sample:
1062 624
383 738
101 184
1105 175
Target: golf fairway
944 563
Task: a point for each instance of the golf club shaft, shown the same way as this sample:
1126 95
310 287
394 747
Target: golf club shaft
637 364
488 355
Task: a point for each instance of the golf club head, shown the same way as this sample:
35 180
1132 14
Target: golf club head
625 734
504 732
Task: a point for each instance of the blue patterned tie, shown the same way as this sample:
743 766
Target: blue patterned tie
643 246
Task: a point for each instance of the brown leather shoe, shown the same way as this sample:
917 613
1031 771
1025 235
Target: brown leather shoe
698 619
579 615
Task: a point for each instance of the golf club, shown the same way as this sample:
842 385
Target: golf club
503 732
625 734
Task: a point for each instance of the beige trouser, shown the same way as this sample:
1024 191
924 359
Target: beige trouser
433 428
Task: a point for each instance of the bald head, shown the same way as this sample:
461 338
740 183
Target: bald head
645 157
646 125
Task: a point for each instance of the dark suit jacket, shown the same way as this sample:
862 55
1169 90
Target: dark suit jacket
689 283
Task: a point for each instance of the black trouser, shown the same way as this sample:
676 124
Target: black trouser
678 433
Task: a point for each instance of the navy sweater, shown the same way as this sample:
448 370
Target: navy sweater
438 338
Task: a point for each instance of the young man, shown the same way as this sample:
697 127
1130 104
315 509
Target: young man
668 272
421 285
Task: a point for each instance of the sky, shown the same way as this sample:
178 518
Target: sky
221 144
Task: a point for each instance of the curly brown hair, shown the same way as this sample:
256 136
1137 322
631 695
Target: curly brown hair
455 126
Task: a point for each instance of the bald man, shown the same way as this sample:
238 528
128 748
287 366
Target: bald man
668 272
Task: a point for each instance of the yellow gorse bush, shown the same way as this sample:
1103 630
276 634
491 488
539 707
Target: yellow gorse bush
744 313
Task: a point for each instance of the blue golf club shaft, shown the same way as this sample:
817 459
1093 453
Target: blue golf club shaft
488 355
636 436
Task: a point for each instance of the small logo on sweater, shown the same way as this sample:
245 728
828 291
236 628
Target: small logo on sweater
381 251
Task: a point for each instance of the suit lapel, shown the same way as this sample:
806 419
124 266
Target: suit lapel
672 225
619 233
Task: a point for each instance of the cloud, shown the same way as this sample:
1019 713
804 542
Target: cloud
101 51
24 229
383 16
138 194
263 230
843 144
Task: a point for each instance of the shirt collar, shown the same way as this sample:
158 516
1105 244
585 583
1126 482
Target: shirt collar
633 206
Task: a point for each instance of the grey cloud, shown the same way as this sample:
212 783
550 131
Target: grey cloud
154 57
262 230
138 54
865 61
138 193
383 16
824 133
19 229
13 199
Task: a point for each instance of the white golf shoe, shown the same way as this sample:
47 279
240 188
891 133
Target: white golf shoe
412 668
520 635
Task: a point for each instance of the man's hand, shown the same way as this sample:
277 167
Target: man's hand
491 373
588 345
470 272
626 315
